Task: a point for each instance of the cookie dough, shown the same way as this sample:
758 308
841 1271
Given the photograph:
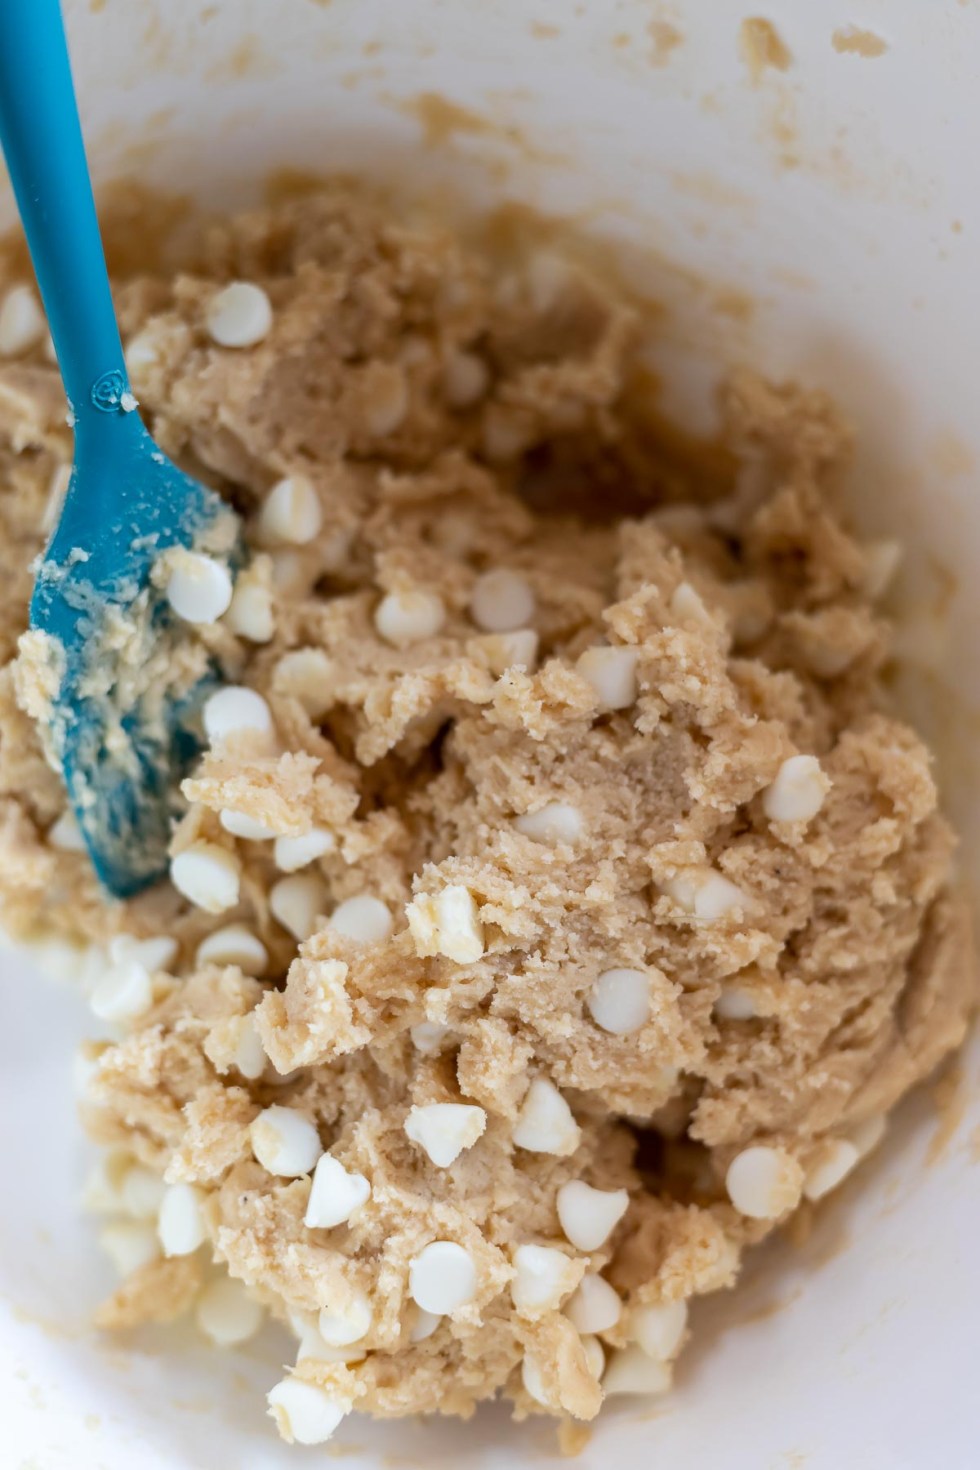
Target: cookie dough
558 906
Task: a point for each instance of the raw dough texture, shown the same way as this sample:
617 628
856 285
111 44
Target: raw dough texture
542 777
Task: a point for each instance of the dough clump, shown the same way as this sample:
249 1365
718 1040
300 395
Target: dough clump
592 908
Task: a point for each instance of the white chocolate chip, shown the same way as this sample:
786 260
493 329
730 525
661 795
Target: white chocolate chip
428 1036
409 616
199 588
827 659
595 1357
341 1327
102 1190
444 1130
831 1164
22 323
612 674
300 1321
533 1381
249 1056
501 601
505 435
545 1123
619 1001
65 834
226 1313
798 791
595 1306
687 606
424 1325
234 710
503 651
308 675
363 918
631 1371
706 895
717 897
297 903
867 1134
207 875
558 822
290 514
883 559
388 403
141 1192
335 1194
129 1245
123 992
239 315
659 1328
734 1004
240 824
155 954
312 1345
763 1183
543 1277
447 923
442 1277
465 379
250 613
589 1216
293 853
180 1224
234 945
142 351
303 1413
284 1142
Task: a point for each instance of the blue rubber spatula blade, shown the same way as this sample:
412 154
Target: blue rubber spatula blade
120 723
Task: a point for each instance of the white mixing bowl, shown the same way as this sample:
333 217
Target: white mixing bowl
820 220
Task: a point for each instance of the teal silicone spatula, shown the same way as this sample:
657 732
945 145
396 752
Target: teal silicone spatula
119 677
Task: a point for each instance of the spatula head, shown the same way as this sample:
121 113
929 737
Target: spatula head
115 677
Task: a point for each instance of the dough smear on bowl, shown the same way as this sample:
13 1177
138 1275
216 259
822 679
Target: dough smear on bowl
558 906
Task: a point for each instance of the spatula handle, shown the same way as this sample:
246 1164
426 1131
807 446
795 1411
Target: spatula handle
42 142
